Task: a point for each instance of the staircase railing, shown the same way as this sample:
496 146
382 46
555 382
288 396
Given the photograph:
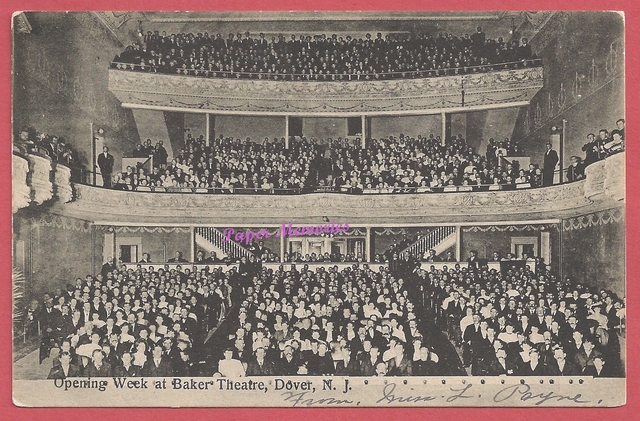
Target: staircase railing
429 241
218 239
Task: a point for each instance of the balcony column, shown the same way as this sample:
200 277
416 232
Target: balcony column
207 128
286 132
443 131
363 145
367 245
192 245
281 247
458 243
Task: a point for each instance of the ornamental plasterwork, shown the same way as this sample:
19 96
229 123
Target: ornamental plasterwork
62 180
122 205
41 186
605 217
260 96
21 192
604 184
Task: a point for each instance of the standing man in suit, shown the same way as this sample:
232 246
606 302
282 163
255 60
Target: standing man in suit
550 162
105 162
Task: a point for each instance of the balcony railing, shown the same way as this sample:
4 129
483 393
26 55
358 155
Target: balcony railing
324 77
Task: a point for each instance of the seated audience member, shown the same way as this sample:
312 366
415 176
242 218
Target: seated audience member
230 367
576 169
178 258
64 369
98 367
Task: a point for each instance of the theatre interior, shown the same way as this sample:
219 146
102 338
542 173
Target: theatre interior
318 193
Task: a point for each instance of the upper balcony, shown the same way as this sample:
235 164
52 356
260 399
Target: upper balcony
481 87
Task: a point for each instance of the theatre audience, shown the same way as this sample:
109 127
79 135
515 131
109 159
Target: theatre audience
55 147
330 322
355 321
392 165
517 322
322 57
131 322
604 145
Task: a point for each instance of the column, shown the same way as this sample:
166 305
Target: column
545 248
281 248
286 132
363 145
94 158
211 129
327 244
93 251
458 242
367 245
443 133
192 246
115 248
207 129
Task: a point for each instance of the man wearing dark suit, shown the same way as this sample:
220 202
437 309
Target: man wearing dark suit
213 258
98 367
259 365
109 266
105 162
64 369
178 258
288 363
560 366
473 259
146 258
50 323
347 366
370 361
400 364
598 369
125 368
550 162
450 257
432 256
576 169
534 366
591 150
158 366
501 365
472 337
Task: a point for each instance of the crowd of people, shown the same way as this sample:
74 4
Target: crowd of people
519 322
322 57
597 148
398 164
156 322
253 321
55 147
131 322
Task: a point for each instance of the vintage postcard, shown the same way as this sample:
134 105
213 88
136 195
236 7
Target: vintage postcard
319 209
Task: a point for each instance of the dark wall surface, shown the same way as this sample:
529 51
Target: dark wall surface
570 45
60 82
594 249
57 250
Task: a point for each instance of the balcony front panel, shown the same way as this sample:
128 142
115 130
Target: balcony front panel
111 206
378 97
